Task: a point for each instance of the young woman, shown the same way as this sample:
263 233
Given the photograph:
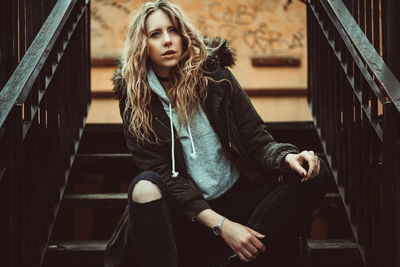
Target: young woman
215 184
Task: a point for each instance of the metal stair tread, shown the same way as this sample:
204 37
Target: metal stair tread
333 252
95 200
77 246
91 157
323 244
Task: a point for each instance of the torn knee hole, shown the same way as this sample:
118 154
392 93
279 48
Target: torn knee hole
145 191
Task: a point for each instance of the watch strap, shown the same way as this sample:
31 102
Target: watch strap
217 229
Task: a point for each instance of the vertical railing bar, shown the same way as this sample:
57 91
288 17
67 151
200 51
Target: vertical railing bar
369 21
335 96
384 12
345 155
376 25
374 108
362 15
392 173
317 85
375 196
349 119
364 91
340 133
29 23
322 75
21 29
358 168
14 155
331 85
312 92
336 115
368 185
357 11
396 170
327 91
88 55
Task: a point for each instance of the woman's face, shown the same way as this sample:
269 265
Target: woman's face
165 43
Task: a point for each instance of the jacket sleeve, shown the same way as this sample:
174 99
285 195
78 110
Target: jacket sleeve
149 157
261 147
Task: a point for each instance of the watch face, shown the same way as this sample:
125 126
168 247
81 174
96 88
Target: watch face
217 230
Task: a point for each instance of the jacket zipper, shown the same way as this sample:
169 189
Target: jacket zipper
233 147
169 129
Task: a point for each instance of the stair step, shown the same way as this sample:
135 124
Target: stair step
103 138
75 253
103 200
90 158
101 161
333 252
84 247
102 168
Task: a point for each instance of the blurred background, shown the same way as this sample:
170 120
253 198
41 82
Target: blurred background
268 36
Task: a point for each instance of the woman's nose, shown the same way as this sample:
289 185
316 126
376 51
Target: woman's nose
167 39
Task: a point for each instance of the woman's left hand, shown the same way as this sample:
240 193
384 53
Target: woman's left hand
299 163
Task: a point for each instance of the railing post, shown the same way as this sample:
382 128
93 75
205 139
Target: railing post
392 175
393 37
15 193
397 193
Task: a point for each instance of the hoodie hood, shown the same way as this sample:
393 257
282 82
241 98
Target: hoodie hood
220 55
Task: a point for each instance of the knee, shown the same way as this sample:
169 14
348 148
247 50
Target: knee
145 191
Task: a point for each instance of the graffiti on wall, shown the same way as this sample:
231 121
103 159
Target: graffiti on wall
258 27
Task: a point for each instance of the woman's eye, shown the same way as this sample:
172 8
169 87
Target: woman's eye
154 34
173 30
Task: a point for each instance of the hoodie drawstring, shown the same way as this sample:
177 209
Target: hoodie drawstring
174 173
193 155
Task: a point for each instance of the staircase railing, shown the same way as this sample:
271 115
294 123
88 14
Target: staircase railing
43 107
355 102
20 21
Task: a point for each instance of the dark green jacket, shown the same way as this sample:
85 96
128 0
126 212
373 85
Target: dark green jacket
239 128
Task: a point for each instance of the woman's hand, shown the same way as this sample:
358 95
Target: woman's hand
299 163
243 240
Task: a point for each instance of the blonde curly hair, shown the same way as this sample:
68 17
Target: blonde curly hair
187 78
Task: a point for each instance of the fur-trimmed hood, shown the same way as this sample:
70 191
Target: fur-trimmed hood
220 55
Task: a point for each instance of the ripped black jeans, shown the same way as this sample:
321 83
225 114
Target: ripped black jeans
164 237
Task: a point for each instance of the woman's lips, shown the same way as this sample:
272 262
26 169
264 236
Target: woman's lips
169 53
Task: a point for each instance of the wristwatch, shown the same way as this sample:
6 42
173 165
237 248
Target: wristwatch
218 228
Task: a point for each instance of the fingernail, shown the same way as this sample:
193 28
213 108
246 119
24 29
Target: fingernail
303 174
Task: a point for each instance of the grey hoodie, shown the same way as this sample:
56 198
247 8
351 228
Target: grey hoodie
207 164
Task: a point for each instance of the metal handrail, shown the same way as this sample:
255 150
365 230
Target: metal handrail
19 84
378 68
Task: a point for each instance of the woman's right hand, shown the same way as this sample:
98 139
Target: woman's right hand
244 241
